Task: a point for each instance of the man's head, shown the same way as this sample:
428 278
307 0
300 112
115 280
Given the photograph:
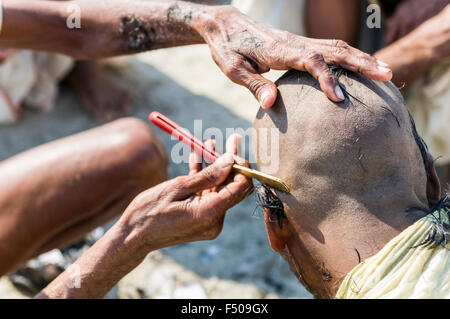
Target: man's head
343 162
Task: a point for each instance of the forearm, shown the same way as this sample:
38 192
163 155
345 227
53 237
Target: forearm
108 28
413 55
99 269
407 60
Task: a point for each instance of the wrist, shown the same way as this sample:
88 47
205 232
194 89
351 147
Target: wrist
190 16
137 229
132 243
207 19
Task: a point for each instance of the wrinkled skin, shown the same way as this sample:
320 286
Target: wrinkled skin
244 48
184 209
240 46
54 194
417 38
356 173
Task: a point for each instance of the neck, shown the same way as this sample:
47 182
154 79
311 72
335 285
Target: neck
322 255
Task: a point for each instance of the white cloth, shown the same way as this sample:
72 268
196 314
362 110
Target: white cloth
429 101
400 271
30 78
281 14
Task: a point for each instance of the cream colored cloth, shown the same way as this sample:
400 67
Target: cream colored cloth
30 78
401 271
281 14
429 101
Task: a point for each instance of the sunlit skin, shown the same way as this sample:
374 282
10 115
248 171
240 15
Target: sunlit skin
356 173
53 195
185 209
241 47
57 192
416 36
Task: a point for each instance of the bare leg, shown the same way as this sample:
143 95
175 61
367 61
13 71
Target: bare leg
99 95
52 195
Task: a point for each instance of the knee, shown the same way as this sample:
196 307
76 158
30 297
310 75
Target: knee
143 155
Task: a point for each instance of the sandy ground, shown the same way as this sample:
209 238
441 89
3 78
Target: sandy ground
186 85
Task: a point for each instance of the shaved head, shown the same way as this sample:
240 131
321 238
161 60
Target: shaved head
354 168
359 147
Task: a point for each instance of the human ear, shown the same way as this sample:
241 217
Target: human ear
433 184
278 231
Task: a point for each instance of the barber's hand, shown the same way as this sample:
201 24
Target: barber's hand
187 208
244 49
409 15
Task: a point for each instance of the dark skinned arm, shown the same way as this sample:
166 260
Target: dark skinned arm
184 209
241 47
418 51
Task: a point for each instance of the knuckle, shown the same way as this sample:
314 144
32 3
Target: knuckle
178 184
209 175
340 48
232 68
255 86
180 181
314 63
367 58
340 44
274 45
315 57
185 206
327 76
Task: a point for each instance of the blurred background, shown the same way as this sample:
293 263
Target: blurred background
185 84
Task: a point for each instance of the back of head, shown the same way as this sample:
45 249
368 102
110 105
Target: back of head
362 152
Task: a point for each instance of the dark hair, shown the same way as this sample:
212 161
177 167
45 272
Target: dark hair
338 72
266 198
440 230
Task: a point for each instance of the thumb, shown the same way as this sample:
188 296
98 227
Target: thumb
212 176
263 89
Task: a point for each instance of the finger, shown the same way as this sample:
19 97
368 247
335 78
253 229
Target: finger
230 195
233 144
264 90
343 55
195 163
213 175
211 146
318 68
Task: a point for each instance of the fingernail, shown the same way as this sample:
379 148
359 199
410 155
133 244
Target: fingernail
265 97
383 69
381 63
339 92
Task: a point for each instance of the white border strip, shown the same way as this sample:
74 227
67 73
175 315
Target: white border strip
1 16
